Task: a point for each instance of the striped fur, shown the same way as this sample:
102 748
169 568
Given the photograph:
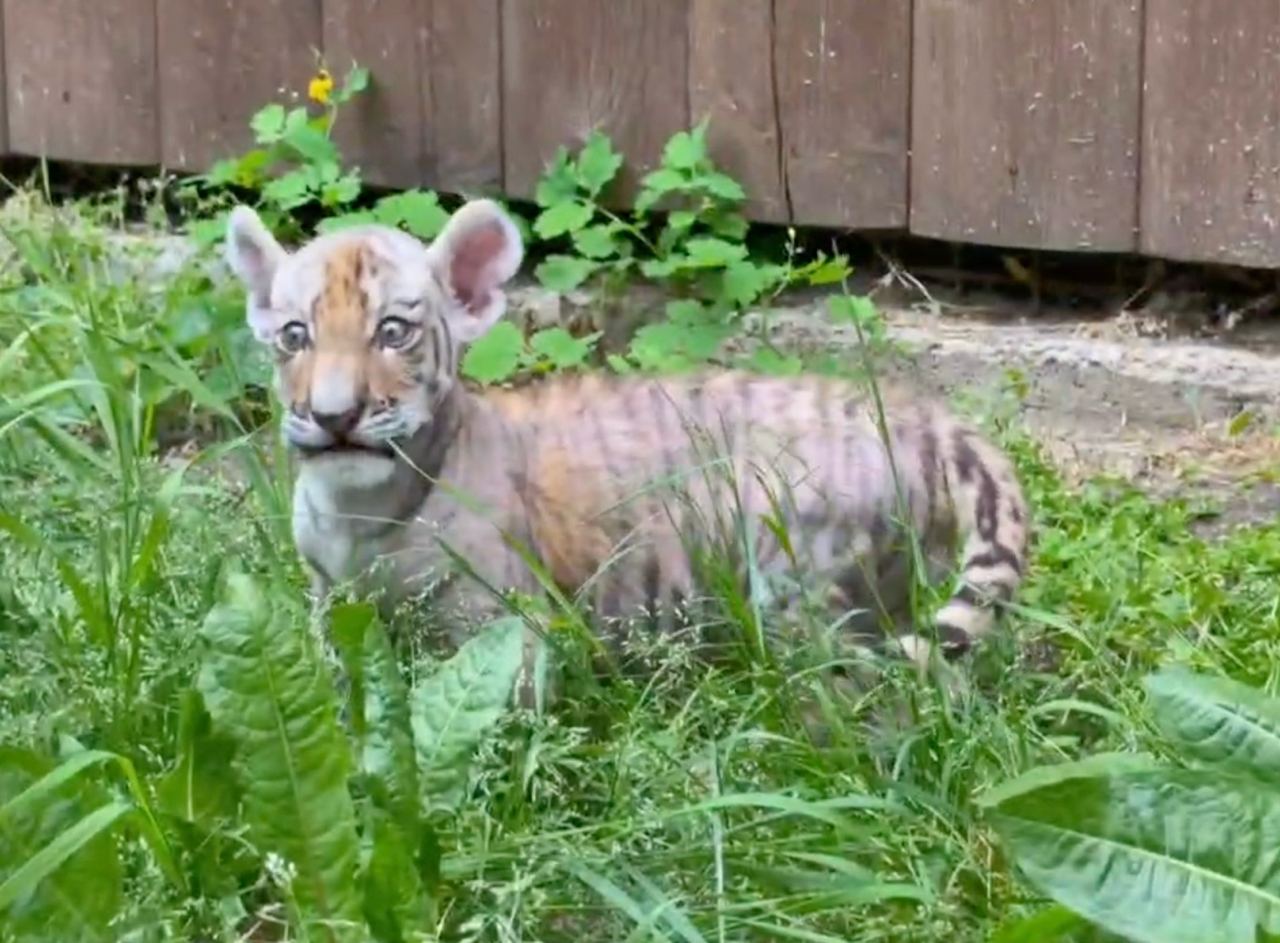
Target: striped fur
603 478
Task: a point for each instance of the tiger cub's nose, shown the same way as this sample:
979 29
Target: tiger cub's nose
338 424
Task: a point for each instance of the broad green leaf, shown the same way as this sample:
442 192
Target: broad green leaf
598 163
564 273
1156 855
198 789
686 149
495 356
657 184
54 890
1219 721
708 252
829 271
1049 925
596 242
558 183
290 190
268 124
722 186
561 349
386 756
561 218
418 211
395 904
265 686
342 190
312 146
454 708
744 282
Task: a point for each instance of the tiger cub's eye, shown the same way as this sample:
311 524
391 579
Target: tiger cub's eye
293 337
394 332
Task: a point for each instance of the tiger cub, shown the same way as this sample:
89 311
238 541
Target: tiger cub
401 470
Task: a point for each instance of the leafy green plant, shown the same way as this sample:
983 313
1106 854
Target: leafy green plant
1162 852
695 248
297 165
338 820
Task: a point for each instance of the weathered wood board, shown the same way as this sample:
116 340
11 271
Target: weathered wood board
843 79
382 130
81 80
571 67
220 61
1025 118
1211 131
732 82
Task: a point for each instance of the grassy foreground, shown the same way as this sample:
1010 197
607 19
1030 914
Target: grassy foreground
690 805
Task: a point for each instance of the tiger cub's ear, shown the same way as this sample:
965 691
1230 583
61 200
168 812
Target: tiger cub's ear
254 255
478 251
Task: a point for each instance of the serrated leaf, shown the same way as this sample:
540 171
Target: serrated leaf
265 687
268 123
495 356
707 252
722 186
564 273
1218 721
290 190
343 190
829 271
657 184
728 225
596 242
744 282
598 163
561 218
686 150
455 707
311 145
1157 855
561 349
558 182
418 211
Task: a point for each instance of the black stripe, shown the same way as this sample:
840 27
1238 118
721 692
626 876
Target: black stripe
953 640
994 555
653 583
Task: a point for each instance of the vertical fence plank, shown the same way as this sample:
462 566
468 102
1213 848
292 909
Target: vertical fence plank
571 67
1025 122
731 81
1211 132
81 79
382 130
844 87
465 79
222 60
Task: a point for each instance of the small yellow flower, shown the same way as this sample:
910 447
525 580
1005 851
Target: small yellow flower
320 87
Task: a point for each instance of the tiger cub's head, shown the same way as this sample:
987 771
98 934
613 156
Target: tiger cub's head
367 323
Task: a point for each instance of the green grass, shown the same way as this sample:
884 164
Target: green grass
688 805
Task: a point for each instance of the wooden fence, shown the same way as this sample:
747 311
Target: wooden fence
1095 125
